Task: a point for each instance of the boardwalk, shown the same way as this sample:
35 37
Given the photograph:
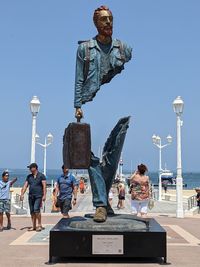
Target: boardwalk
85 205
22 248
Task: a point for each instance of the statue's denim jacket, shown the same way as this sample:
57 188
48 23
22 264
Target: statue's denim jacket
87 87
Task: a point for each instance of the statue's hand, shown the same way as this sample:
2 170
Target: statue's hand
79 114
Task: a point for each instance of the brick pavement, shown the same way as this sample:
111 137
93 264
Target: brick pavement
21 248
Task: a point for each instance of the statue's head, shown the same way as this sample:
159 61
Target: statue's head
103 20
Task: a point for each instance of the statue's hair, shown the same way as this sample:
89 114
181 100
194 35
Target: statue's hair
97 11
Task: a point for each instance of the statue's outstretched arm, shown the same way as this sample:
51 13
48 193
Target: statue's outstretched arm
79 80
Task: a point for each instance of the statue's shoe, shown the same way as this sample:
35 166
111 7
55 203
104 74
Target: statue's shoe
110 211
100 214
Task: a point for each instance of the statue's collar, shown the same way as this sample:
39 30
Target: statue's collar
93 43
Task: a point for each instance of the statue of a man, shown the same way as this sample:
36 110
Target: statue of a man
98 60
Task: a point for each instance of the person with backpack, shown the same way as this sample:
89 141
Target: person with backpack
66 189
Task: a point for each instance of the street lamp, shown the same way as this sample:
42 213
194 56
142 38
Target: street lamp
35 107
48 142
158 142
178 106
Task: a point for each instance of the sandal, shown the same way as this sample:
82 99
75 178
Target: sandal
39 229
31 229
8 226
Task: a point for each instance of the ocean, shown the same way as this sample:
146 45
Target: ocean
192 180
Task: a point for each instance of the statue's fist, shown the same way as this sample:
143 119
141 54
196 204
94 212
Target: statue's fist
79 114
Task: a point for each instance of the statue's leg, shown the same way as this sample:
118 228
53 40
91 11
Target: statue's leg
112 152
103 174
97 182
98 190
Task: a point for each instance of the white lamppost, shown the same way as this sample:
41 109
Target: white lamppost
48 142
178 106
158 142
35 107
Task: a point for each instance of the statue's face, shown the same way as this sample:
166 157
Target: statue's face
104 23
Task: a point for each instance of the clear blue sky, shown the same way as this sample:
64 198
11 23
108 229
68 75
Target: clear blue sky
38 42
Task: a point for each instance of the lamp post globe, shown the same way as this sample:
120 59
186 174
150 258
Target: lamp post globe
169 139
154 139
158 139
178 105
35 105
50 138
37 138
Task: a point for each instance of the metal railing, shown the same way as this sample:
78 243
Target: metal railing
192 202
154 192
18 202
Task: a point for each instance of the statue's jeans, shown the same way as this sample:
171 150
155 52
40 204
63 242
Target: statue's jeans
102 174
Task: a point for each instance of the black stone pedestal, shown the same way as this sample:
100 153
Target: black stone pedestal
121 236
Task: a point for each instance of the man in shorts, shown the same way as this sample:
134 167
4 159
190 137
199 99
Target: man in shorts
36 182
5 185
66 188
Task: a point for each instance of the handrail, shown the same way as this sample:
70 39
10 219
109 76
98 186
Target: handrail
18 201
154 192
192 202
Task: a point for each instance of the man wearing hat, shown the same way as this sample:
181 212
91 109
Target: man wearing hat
36 182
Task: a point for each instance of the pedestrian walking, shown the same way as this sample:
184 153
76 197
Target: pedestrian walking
55 208
198 198
36 181
121 196
110 197
165 185
82 185
66 189
140 188
5 202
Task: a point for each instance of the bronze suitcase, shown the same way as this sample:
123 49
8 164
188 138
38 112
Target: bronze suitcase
77 146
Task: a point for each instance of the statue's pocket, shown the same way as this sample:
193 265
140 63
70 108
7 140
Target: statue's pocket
118 60
90 60
89 65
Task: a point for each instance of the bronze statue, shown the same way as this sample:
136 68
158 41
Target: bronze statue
98 60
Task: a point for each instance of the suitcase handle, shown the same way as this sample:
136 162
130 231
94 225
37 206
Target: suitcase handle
79 114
